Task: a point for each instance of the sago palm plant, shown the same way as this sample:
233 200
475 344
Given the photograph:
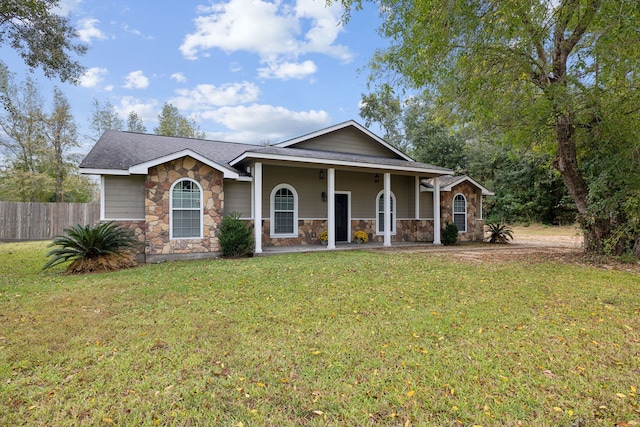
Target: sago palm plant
103 247
498 233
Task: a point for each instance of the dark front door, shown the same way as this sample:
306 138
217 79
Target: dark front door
342 217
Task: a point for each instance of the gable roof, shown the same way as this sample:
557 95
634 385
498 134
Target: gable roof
448 182
126 153
350 123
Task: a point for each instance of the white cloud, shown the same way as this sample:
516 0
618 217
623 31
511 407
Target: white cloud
147 110
257 123
179 77
206 96
288 70
87 30
136 80
278 32
92 77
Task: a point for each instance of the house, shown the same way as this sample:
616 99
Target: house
173 192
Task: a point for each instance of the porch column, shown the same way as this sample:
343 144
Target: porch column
436 211
257 206
417 198
331 208
387 209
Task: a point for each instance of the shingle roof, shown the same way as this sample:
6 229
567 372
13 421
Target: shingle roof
121 150
448 182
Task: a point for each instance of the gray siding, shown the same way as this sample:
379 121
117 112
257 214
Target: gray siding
361 186
237 198
426 205
348 140
124 197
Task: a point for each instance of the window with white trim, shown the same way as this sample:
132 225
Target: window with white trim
460 212
284 211
186 210
380 213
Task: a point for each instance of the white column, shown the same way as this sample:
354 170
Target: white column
331 208
436 211
387 209
417 198
257 206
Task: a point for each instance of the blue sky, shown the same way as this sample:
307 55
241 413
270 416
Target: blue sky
245 70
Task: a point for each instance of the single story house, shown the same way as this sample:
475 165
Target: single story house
173 192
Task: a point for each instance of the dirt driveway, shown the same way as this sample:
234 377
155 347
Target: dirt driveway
531 244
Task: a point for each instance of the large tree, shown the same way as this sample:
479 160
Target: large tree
561 74
41 37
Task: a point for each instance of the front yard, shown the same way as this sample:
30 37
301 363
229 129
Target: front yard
343 338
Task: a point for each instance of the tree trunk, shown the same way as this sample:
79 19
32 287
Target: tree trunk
566 161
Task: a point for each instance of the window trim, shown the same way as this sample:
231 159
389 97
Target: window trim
454 213
393 213
171 209
272 225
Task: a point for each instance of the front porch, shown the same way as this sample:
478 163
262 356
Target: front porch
340 246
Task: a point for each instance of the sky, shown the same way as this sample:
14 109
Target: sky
252 71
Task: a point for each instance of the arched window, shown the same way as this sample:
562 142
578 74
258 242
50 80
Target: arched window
186 210
284 211
460 212
380 212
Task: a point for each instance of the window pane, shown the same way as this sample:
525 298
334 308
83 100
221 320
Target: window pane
459 204
283 222
186 194
459 221
186 223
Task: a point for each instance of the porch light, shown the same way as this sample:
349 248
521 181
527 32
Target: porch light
324 196
321 176
376 178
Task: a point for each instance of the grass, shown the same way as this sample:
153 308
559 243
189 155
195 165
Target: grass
343 338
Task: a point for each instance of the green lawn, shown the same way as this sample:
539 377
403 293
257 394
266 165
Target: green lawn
343 338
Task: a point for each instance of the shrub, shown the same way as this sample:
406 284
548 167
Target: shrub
449 234
100 248
498 233
235 237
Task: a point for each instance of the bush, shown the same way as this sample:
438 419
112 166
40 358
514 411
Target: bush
449 234
236 239
100 248
498 233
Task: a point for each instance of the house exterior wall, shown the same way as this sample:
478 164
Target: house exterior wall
124 197
475 225
426 205
237 197
347 140
158 245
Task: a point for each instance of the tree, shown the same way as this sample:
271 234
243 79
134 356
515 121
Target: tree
61 133
23 142
42 38
172 123
104 118
559 75
385 109
37 166
135 123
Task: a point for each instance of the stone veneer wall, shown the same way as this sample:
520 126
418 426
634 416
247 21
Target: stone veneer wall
138 229
308 231
158 184
475 227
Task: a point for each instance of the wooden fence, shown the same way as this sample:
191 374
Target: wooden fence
42 221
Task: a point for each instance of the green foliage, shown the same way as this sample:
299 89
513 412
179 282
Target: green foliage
235 237
449 234
37 164
135 123
560 77
172 123
41 37
89 243
103 118
498 233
